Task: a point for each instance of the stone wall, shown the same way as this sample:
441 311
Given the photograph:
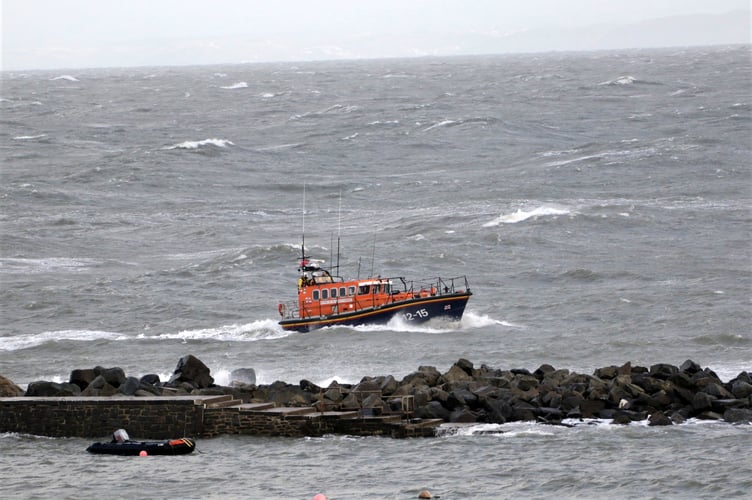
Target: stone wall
147 418
207 416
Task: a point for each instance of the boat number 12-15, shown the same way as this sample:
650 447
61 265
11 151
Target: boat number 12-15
419 314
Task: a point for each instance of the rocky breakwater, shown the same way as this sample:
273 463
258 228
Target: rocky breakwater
662 394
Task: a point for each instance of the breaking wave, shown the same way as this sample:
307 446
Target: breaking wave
69 78
239 85
522 215
265 329
19 342
219 143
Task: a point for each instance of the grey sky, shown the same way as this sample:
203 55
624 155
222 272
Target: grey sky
41 34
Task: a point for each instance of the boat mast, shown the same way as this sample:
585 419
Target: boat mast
302 245
339 229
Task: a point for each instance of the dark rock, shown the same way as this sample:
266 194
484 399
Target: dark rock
113 376
678 418
244 376
571 400
543 370
430 374
741 389
283 394
606 373
388 385
525 382
738 415
465 366
99 387
8 389
523 411
702 401
372 401
592 408
309 386
658 418
433 409
625 369
83 377
192 370
650 384
150 379
334 393
744 377
520 371
710 415
438 394
130 386
721 405
550 415
690 367
455 375
462 415
145 389
621 418
497 411
350 402
462 397
44 388
663 370
683 380
555 378
717 391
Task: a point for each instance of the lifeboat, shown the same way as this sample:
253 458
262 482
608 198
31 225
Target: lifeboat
325 299
121 444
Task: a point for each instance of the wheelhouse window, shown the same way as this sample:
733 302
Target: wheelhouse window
324 293
316 295
333 293
342 291
363 289
351 290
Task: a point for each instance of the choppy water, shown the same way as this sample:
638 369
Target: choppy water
599 204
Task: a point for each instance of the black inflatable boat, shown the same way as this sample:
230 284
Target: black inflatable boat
122 445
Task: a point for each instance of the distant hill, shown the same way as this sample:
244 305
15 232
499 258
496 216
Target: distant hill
676 31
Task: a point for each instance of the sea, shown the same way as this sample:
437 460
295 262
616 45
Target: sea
599 204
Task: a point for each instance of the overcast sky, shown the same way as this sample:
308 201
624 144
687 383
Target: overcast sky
47 34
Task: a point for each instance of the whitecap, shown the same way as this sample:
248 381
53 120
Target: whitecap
238 85
19 342
69 78
221 143
473 320
29 137
12 264
622 80
444 123
266 329
522 215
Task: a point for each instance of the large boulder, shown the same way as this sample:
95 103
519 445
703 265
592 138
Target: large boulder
738 415
243 376
99 387
114 376
8 389
82 377
45 388
192 370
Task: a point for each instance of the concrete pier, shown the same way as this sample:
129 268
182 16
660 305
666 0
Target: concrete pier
196 416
